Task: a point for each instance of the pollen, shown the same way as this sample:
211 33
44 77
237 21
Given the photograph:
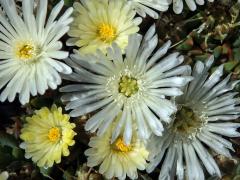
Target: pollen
25 51
120 146
54 134
128 86
106 32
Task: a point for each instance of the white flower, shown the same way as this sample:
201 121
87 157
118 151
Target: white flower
144 7
99 23
4 175
204 115
117 159
29 48
138 85
178 5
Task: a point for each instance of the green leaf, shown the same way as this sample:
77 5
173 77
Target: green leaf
18 153
217 52
236 42
225 49
229 66
237 70
234 11
186 45
46 172
5 157
69 173
236 177
7 140
202 58
238 170
68 2
40 102
236 54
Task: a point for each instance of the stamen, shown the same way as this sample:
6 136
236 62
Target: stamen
128 86
26 51
120 146
187 122
54 134
106 32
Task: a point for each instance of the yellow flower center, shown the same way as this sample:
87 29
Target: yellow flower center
120 146
106 32
128 86
54 134
26 51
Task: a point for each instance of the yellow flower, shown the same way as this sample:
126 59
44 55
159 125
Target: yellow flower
117 159
99 23
47 135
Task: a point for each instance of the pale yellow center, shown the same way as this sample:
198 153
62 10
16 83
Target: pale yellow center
25 51
54 134
106 32
120 146
128 86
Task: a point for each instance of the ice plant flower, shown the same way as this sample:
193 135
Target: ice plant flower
192 4
138 84
99 23
4 175
47 135
144 7
30 49
204 115
117 159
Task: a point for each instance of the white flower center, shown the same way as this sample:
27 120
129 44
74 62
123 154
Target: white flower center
128 86
188 123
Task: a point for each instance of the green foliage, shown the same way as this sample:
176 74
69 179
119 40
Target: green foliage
230 65
68 2
7 140
46 172
5 157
